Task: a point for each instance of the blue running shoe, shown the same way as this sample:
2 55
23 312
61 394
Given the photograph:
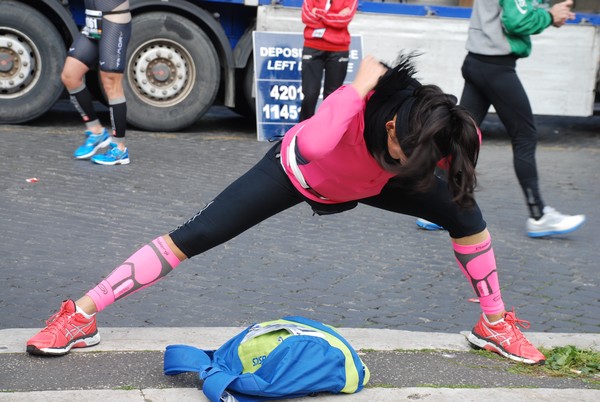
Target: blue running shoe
92 144
114 156
425 224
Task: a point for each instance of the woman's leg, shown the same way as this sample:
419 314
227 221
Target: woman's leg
496 330
262 192
467 229
495 80
144 268
472 98
475 257
513 109
435 205
500 85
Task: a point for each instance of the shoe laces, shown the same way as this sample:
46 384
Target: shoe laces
92 139
511 319
114 151
58 319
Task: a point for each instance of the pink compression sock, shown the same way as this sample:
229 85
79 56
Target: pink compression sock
478 263
144 268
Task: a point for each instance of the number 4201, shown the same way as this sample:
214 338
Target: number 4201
286 92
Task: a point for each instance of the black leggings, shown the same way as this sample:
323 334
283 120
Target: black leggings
493 80
265 190
314 61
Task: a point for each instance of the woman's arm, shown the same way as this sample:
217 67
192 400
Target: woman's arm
523 18
322 132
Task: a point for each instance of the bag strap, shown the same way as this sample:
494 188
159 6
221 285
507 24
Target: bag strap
215 383
183 358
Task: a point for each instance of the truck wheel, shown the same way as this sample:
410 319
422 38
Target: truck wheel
245 103
173 72
32 54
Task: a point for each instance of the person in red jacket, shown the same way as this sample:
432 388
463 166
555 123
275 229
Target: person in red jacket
326 48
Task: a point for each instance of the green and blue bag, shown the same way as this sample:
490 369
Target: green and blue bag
286 358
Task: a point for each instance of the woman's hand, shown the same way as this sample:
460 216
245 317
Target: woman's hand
368 75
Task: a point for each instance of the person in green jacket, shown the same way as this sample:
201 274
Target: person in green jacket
499 34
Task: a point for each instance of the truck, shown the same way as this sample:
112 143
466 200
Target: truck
188 55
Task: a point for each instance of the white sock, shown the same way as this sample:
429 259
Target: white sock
83 313
492 323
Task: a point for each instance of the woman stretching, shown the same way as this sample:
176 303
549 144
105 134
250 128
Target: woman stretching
376 142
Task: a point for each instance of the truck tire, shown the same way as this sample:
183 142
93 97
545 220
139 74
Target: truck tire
173 73
32 54
245 102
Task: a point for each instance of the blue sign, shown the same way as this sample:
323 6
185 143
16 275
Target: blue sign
278 79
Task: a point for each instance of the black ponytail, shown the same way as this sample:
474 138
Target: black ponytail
430 126
395 87
441 129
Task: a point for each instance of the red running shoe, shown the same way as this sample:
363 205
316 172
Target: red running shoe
65 330
506 339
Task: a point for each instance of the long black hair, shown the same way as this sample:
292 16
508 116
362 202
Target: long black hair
430 126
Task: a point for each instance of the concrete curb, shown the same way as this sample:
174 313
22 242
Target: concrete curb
156 339
370 394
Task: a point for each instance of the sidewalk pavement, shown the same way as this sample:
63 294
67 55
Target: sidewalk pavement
405 365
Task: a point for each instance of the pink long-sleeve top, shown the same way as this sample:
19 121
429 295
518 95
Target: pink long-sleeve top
339 168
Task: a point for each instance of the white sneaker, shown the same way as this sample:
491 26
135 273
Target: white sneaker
553 223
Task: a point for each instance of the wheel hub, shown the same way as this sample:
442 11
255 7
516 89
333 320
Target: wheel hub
17 66
7 62
160 72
